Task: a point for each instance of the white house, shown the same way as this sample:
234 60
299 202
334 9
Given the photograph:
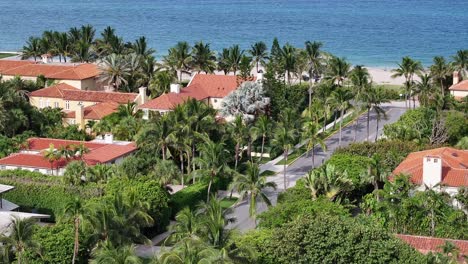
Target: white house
459 89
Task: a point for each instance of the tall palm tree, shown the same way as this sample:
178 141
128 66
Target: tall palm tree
252 185
64 45
315 63
32 49
235 57
213 160
440 70
310 132
360 78
407 68
140 47
262 127
289 60
110 254
52 155
376 173
20 237
161 82
284 138
259 53
377 98
203 58
342 98
238 131
187 227
424 89
180 57
155 136
460 62
115 71
75 211
338 70
224 61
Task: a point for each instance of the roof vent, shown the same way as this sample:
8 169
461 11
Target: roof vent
454 154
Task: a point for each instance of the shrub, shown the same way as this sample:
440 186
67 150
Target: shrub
415 124
334 239
41 193
190 196
148 191
354 165
457 125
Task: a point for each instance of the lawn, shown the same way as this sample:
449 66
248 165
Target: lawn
227 202
268 173
6 55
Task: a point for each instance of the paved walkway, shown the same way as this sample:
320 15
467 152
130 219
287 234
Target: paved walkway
304 164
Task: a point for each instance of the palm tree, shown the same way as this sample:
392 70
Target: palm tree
115 71
315 63
377 98
20 237
180 57
203 59
310 132
212 160
376 173
178 141
155 136
327 181
32 49
235 57
284 138
238 131
424 89
63 45
252 185
338 69
76 212
342 98
262 127
52 155
224 62
360 78
407 68
187 227
439 71
140 47
110 254
460 62
259 53
289 60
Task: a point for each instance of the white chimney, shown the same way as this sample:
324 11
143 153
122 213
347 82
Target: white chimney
259 77
456 77
432 170
79 116
108 138
142 95
175 88
46 58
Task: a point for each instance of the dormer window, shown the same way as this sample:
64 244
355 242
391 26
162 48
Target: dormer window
67 105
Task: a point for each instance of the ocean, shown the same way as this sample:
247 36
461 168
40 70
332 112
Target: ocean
371 32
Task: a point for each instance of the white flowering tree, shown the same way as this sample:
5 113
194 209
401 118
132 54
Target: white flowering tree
248 100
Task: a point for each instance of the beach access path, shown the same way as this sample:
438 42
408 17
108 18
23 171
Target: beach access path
303 164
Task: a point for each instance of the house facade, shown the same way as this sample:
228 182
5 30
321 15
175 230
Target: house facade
442 169
32 157
459 89
81 76
208 88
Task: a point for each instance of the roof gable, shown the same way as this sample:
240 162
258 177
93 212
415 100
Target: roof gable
55 91
97 111
51 71
461 86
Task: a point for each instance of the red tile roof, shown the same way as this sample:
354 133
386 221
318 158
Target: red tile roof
54 91
99 96
12 64
432 244
461 86
97 111
52 71
202 86
454 166
98 153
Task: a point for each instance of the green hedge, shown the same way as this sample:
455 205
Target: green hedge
189 197
36 192
354 166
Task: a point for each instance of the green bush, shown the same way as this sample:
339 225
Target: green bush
354 165
414 125
148 191
457 125
41 193
190 196
334 239
287 212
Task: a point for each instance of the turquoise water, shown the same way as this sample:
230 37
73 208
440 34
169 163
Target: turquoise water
370 32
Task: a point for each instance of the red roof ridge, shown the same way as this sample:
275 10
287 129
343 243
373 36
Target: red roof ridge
425 243
461 86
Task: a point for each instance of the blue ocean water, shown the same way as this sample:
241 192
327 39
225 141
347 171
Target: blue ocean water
369 32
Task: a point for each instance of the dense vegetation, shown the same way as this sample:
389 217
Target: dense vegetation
338 213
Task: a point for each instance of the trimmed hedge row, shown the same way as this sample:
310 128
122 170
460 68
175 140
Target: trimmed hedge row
189 197
36 192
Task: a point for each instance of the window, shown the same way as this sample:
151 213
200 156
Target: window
36 170
56 104
47 104
428 159
436 160
49 172
72 121
3 167
215 100
80 103
67 105
41 103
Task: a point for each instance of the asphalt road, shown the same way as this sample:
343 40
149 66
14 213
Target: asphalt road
304 164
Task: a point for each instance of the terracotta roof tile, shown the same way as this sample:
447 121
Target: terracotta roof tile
99 153
461 86
202 86
454 166
432 244
99 96
61 72
55 91
97 111
12 64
